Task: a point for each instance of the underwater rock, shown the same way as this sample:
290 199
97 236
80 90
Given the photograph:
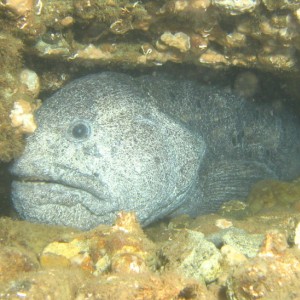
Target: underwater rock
147 286
161 147
122 248
234 7
57 47
190 254
247 244
179 40
44 284
20 7
296 237
91 52
75 284
223 223
280 4
22 113
126 26
234 209
11 141
30 83
100 264
231 256
274 193
22 116
237 238
14 261
272 274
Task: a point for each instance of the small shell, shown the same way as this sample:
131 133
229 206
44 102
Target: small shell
22 117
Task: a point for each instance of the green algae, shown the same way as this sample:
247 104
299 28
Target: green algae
11 142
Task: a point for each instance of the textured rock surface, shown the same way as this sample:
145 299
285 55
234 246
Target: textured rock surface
122 248
236 7
247 244
123 278
272 274
240 240
264 35
191 255
58 39
273 193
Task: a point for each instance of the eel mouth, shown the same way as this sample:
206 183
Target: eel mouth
41 193
61 176
59 204
33 181
36 180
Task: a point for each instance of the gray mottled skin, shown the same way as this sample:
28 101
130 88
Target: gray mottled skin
153 145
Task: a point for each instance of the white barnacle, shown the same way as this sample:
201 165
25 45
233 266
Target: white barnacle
136 3
146 51
73 56
39 6
118 22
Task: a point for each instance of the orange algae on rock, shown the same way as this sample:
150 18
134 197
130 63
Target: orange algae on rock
72 275
14 261
272 274
22 116
122 248
123 262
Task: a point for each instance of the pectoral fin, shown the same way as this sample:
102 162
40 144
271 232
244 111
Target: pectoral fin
230 180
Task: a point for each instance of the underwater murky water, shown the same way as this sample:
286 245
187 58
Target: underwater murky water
249 248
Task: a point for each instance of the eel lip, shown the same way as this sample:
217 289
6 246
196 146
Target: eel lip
43 181
33 179
27 194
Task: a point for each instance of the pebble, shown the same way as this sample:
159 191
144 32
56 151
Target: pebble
22 117
236 7
193 256
179 40
30 83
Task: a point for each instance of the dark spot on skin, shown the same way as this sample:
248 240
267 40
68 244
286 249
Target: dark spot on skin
157 160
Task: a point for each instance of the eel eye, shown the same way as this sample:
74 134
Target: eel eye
80 130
